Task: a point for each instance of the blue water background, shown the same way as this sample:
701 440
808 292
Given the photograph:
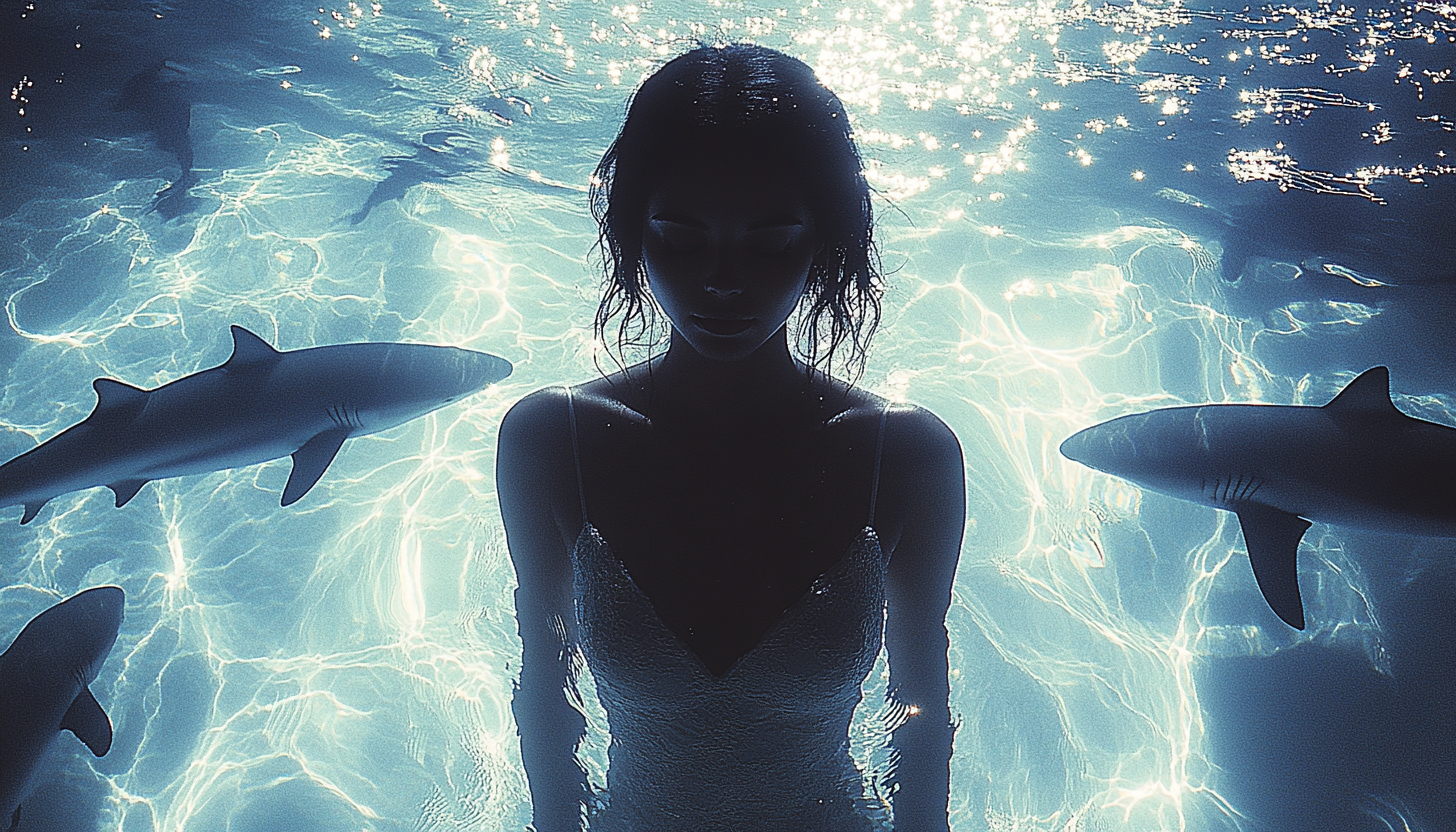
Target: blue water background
1086 209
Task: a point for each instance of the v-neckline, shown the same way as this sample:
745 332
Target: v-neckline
867 536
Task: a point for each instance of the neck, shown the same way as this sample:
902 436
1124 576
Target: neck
765 386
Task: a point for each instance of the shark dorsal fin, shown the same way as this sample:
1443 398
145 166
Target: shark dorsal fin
1367 395
116 398
250 349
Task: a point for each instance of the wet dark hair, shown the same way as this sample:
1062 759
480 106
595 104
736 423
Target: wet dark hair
754 102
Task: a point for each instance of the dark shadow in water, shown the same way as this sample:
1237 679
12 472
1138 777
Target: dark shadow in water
1318 324
1314 739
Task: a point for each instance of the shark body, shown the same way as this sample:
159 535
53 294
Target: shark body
261 404
1357 461
44 678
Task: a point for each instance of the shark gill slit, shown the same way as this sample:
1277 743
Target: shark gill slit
1251 488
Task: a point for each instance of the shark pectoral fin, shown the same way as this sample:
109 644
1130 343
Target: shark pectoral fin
249 349
31 510
14 819
1272 537
310 461
126 489
89 723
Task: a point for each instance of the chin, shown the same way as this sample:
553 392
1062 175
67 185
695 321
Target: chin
719 348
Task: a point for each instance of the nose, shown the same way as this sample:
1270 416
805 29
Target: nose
721 292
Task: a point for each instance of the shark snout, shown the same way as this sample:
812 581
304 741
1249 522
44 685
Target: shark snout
1110 446
1097 446
479 369
447 373
1074 447
103 607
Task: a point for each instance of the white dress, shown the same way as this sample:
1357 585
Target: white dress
763 747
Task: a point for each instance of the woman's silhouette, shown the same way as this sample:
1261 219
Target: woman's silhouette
726 533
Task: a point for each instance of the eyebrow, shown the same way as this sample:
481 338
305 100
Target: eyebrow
779 221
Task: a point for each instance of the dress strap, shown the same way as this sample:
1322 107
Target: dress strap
576 453
879 447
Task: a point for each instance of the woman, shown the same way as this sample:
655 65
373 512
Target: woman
725 533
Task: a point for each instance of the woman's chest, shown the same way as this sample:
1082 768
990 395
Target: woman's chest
828 635
715 513
722 539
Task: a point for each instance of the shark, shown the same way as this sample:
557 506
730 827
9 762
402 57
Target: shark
433 162
156 94
1357 462
259 405
44 688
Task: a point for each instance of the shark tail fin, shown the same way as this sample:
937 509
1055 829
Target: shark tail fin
89 723
1272 538
31 510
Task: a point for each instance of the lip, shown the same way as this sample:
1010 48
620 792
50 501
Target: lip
723 326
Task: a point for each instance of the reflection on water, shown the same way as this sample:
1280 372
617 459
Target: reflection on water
1088 209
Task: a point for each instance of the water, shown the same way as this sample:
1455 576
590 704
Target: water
1087 209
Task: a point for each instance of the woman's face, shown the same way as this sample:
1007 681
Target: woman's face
727 247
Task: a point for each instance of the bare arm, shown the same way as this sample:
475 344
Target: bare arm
925 467
533 465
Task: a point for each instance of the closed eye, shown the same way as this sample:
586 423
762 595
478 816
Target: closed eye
774 240
682 235
678 237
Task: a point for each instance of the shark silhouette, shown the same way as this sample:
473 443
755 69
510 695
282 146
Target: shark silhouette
261 404
1357 462
158 96
432 162
43 688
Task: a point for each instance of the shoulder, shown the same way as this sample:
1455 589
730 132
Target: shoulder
905 433
922 479
917 433
905 429
539 427
537 422
536 470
